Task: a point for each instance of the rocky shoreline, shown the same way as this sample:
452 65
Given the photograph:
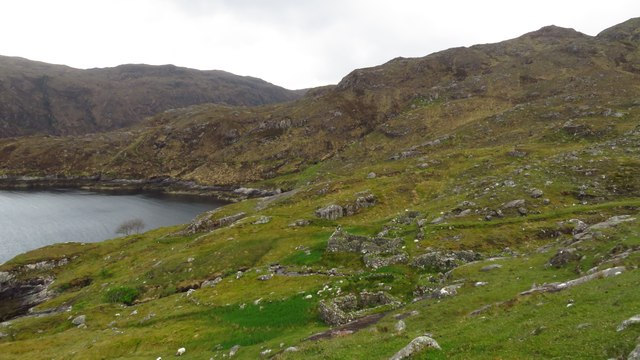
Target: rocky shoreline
163 185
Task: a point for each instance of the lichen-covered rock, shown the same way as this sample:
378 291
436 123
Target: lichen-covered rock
331 312
536 193
439 261
79 320
514 204
262 220
415 346
490 267
634 354
335 211
300 223
341 241
330 212
630 321
376 261
211 283
344 309
206 222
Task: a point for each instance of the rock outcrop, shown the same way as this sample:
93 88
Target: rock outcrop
344 309
415 346
17 295
206 222
376 251
443 261
334 211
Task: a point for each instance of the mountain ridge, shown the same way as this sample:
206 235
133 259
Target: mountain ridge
36 97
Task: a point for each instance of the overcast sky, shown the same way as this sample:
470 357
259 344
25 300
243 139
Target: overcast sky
292 43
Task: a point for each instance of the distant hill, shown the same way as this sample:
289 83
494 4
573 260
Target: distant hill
36 97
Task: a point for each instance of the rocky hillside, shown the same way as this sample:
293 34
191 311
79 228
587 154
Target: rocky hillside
512 92
476 203
39 98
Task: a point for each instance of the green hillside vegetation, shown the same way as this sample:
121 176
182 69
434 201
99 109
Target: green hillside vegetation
501 168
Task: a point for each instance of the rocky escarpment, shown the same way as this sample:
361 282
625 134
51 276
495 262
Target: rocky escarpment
25 287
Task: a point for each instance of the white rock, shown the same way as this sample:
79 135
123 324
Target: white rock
416 345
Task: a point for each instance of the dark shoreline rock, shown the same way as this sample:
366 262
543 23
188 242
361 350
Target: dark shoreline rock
163 185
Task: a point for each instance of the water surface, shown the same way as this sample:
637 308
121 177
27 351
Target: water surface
32 219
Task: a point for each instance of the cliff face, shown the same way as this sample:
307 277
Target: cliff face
39 98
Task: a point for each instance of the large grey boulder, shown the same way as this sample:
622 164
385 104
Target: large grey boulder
79 320
635 354
330 212
630 321
206 222
415 346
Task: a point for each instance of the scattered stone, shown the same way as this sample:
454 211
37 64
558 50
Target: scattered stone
546 201
344 309
553 287
376 261
211 283
514 204
371 175
400 326
234 350
583 326
439 261
79 320
630 321
331 212
262 220
563 257
480 283
415 346
538 330
265 277
517 153
612 222
447 291
334 211
509 183
490 267
536 193
250 192
265 352
181 351
438 220
291 349
206 222
300 223
341 241
522 211
308 297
